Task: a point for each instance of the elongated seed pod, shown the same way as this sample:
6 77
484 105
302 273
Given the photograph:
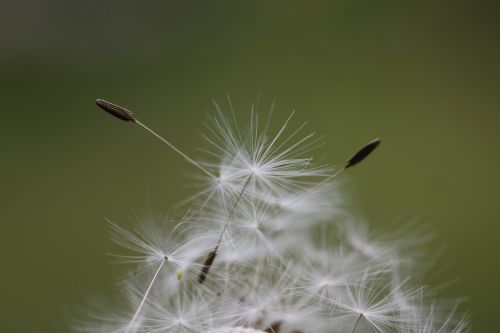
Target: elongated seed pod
207 265
363 153
115 110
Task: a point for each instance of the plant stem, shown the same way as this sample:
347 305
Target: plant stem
211 256
143 301
356 323
189 159
234 207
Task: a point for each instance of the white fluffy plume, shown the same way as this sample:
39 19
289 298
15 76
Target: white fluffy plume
268 246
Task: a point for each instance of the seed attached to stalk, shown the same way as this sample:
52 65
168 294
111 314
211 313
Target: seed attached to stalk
122 113
207 264
211 256
116 110
363 153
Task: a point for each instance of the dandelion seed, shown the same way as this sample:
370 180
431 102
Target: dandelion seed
181 313
211 256
153 249
124 114
275 161
355 159
372 301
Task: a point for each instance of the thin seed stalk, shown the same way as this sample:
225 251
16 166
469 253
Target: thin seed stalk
356 323
359 156
234 207
122 113
211 256
146 294
177 150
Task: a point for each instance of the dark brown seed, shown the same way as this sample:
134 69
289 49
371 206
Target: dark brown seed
363 153
274 328
116 110
207 264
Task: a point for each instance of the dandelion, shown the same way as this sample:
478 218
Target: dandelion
154 249
371 300
180 313
251 300
269 246
275 163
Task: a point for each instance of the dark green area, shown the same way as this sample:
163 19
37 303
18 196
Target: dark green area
422 75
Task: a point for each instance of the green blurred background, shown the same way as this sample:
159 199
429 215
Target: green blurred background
422 75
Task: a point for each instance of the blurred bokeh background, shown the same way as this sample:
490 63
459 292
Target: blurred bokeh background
422 75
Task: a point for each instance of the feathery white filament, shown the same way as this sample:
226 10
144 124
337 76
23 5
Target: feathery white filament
146 294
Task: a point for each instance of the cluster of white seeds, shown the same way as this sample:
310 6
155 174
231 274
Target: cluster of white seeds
268 245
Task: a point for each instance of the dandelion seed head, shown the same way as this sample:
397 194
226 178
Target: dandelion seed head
268 245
